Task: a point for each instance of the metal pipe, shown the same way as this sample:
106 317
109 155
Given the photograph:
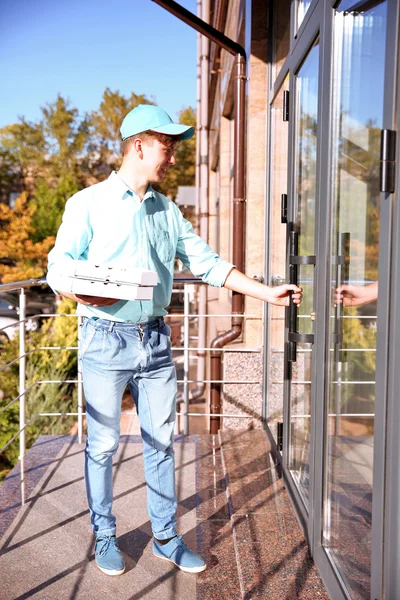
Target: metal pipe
190 19
17 285
198 391
186 361
22 391
239 186
238 236
80 386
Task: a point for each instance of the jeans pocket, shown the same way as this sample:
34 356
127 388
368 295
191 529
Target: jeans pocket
87 336
166 330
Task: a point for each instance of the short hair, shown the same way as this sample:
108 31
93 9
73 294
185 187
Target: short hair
149 136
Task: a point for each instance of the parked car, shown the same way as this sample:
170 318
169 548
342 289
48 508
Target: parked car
37 303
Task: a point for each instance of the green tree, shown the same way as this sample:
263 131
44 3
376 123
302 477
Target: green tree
49 203
183 173
66 136
105 138
42 365
23 148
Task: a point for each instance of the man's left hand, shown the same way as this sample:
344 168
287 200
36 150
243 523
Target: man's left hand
280 295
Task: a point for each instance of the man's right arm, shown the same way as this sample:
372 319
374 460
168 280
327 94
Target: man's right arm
73 239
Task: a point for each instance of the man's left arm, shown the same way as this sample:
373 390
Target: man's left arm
280 295
203 262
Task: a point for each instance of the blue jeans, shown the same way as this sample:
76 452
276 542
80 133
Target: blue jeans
114 355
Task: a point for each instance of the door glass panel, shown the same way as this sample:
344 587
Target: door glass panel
304 194
359 63
302 8
277 269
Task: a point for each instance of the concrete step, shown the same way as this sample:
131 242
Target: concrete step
47 550
232 506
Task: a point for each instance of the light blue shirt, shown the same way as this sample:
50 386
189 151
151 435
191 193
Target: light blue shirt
107 223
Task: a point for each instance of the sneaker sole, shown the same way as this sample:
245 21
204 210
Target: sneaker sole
111 572
185 569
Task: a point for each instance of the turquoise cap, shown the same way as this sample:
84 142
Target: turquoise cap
149 117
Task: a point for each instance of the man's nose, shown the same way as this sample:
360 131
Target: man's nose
172 160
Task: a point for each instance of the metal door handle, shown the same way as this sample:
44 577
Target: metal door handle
294 261
342 275
277 280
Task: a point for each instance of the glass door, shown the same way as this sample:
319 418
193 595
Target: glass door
301 250
359 42
336 396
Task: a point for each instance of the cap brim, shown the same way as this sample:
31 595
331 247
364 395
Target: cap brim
185 132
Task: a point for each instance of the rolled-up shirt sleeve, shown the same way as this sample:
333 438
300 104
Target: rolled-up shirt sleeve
73 237
199 258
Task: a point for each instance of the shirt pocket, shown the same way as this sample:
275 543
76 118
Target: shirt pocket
162 244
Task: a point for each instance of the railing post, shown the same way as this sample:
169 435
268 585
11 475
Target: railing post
186 360
80 386
22 385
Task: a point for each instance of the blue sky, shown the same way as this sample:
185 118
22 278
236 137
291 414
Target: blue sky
79 47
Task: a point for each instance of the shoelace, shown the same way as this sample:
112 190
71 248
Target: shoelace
107 542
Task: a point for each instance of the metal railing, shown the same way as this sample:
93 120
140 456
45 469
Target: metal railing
186 349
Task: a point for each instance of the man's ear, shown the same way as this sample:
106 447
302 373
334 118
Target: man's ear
138 147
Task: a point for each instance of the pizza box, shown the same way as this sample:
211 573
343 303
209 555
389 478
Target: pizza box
108 273
104 281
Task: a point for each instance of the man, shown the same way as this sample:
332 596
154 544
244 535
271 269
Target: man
124 221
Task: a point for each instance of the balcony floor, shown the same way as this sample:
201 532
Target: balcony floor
232 506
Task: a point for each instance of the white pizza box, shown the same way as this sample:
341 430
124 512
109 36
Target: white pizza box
102 289
83 269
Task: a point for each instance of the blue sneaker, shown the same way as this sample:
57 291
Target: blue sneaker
177 552
108 556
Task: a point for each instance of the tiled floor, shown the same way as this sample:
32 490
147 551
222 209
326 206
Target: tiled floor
230 499
272 555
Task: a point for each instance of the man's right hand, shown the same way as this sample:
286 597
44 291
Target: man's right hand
90 300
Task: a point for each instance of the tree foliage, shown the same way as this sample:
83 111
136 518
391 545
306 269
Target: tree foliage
183 173
42 365
20 257
46 162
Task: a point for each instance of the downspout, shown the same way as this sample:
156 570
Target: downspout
238 194
202 145
238 239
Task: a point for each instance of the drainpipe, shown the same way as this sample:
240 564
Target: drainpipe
238 194
202 145
238 239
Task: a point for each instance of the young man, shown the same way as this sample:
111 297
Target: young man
124 221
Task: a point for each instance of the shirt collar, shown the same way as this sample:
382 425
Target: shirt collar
121 187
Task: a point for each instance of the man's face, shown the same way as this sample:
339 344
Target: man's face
157 157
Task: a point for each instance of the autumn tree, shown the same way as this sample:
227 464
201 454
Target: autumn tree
20 258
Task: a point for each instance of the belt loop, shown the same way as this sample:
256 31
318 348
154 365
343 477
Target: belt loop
111 326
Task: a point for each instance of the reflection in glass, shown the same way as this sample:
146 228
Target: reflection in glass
359 44
276 325
280 35
302 8
305 190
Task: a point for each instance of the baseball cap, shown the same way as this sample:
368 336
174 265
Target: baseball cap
149 117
